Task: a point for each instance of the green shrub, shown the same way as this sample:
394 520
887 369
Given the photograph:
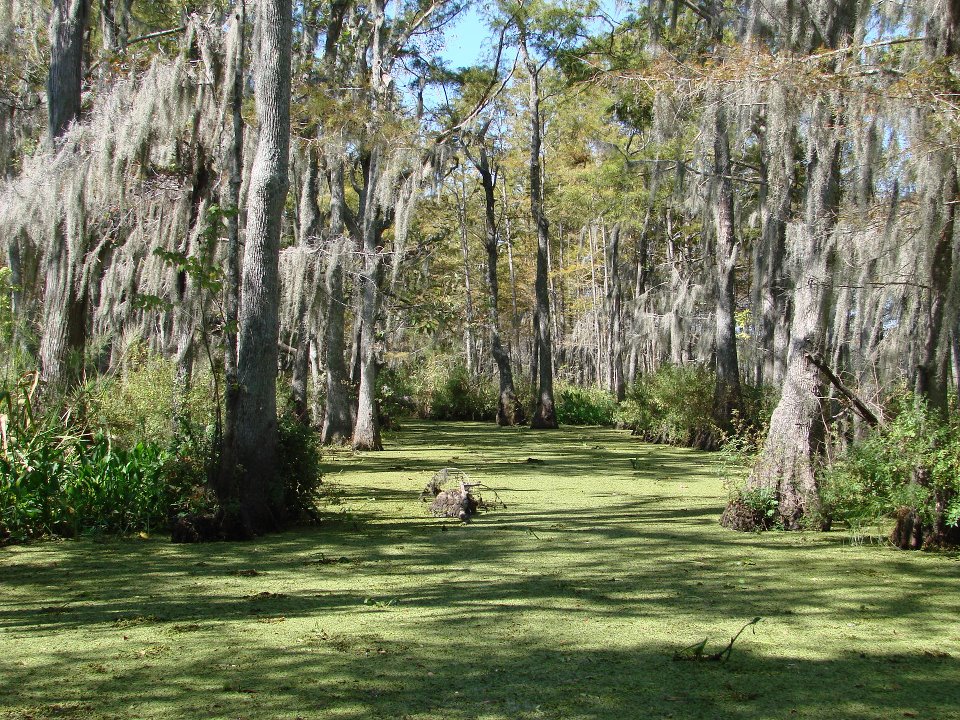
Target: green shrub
674 405
61 483
298 466
438 388
458 395
584 405
136 404
911 462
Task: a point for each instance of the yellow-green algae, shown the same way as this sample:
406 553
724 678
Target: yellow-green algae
568 604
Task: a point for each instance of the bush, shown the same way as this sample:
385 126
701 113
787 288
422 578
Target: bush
584 406
752 509
674 405
440 388
136 404
298 466
913 462
60 483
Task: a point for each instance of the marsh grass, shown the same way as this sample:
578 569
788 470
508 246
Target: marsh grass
569 603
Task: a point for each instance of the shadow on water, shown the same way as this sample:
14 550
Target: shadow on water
568 603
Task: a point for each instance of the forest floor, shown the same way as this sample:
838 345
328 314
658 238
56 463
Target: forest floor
569 603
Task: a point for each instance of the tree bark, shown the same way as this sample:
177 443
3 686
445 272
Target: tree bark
225 485
309 236
468 340
64 307
728 396
115 24
795 439
616 383
544 416
774 212
366 429
260 501
338 418
509 409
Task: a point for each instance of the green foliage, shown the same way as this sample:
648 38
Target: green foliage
584 406
137 403
62 481
910 462
298 466
441 388
674 405
764 502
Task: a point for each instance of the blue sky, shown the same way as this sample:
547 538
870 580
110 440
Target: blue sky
468 38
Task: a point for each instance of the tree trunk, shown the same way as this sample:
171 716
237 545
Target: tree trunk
616 384
468 340
774 212
68 24
338 418
509 409
545 415
115 24
226 485
366 429
64 307
594 296
728 397
309 235
788 461
260 501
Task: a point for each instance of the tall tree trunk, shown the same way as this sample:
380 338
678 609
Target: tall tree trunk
225 485
468 340
64 308
338 417
788 461
309 232
728 396
545 414
366 429
260 502
616 383
509 409
774 212
594 297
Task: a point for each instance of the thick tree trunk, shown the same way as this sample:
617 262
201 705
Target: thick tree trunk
338 418
788 461
545 414
774 212
728 396
509 409
64 307
225 485
260 502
